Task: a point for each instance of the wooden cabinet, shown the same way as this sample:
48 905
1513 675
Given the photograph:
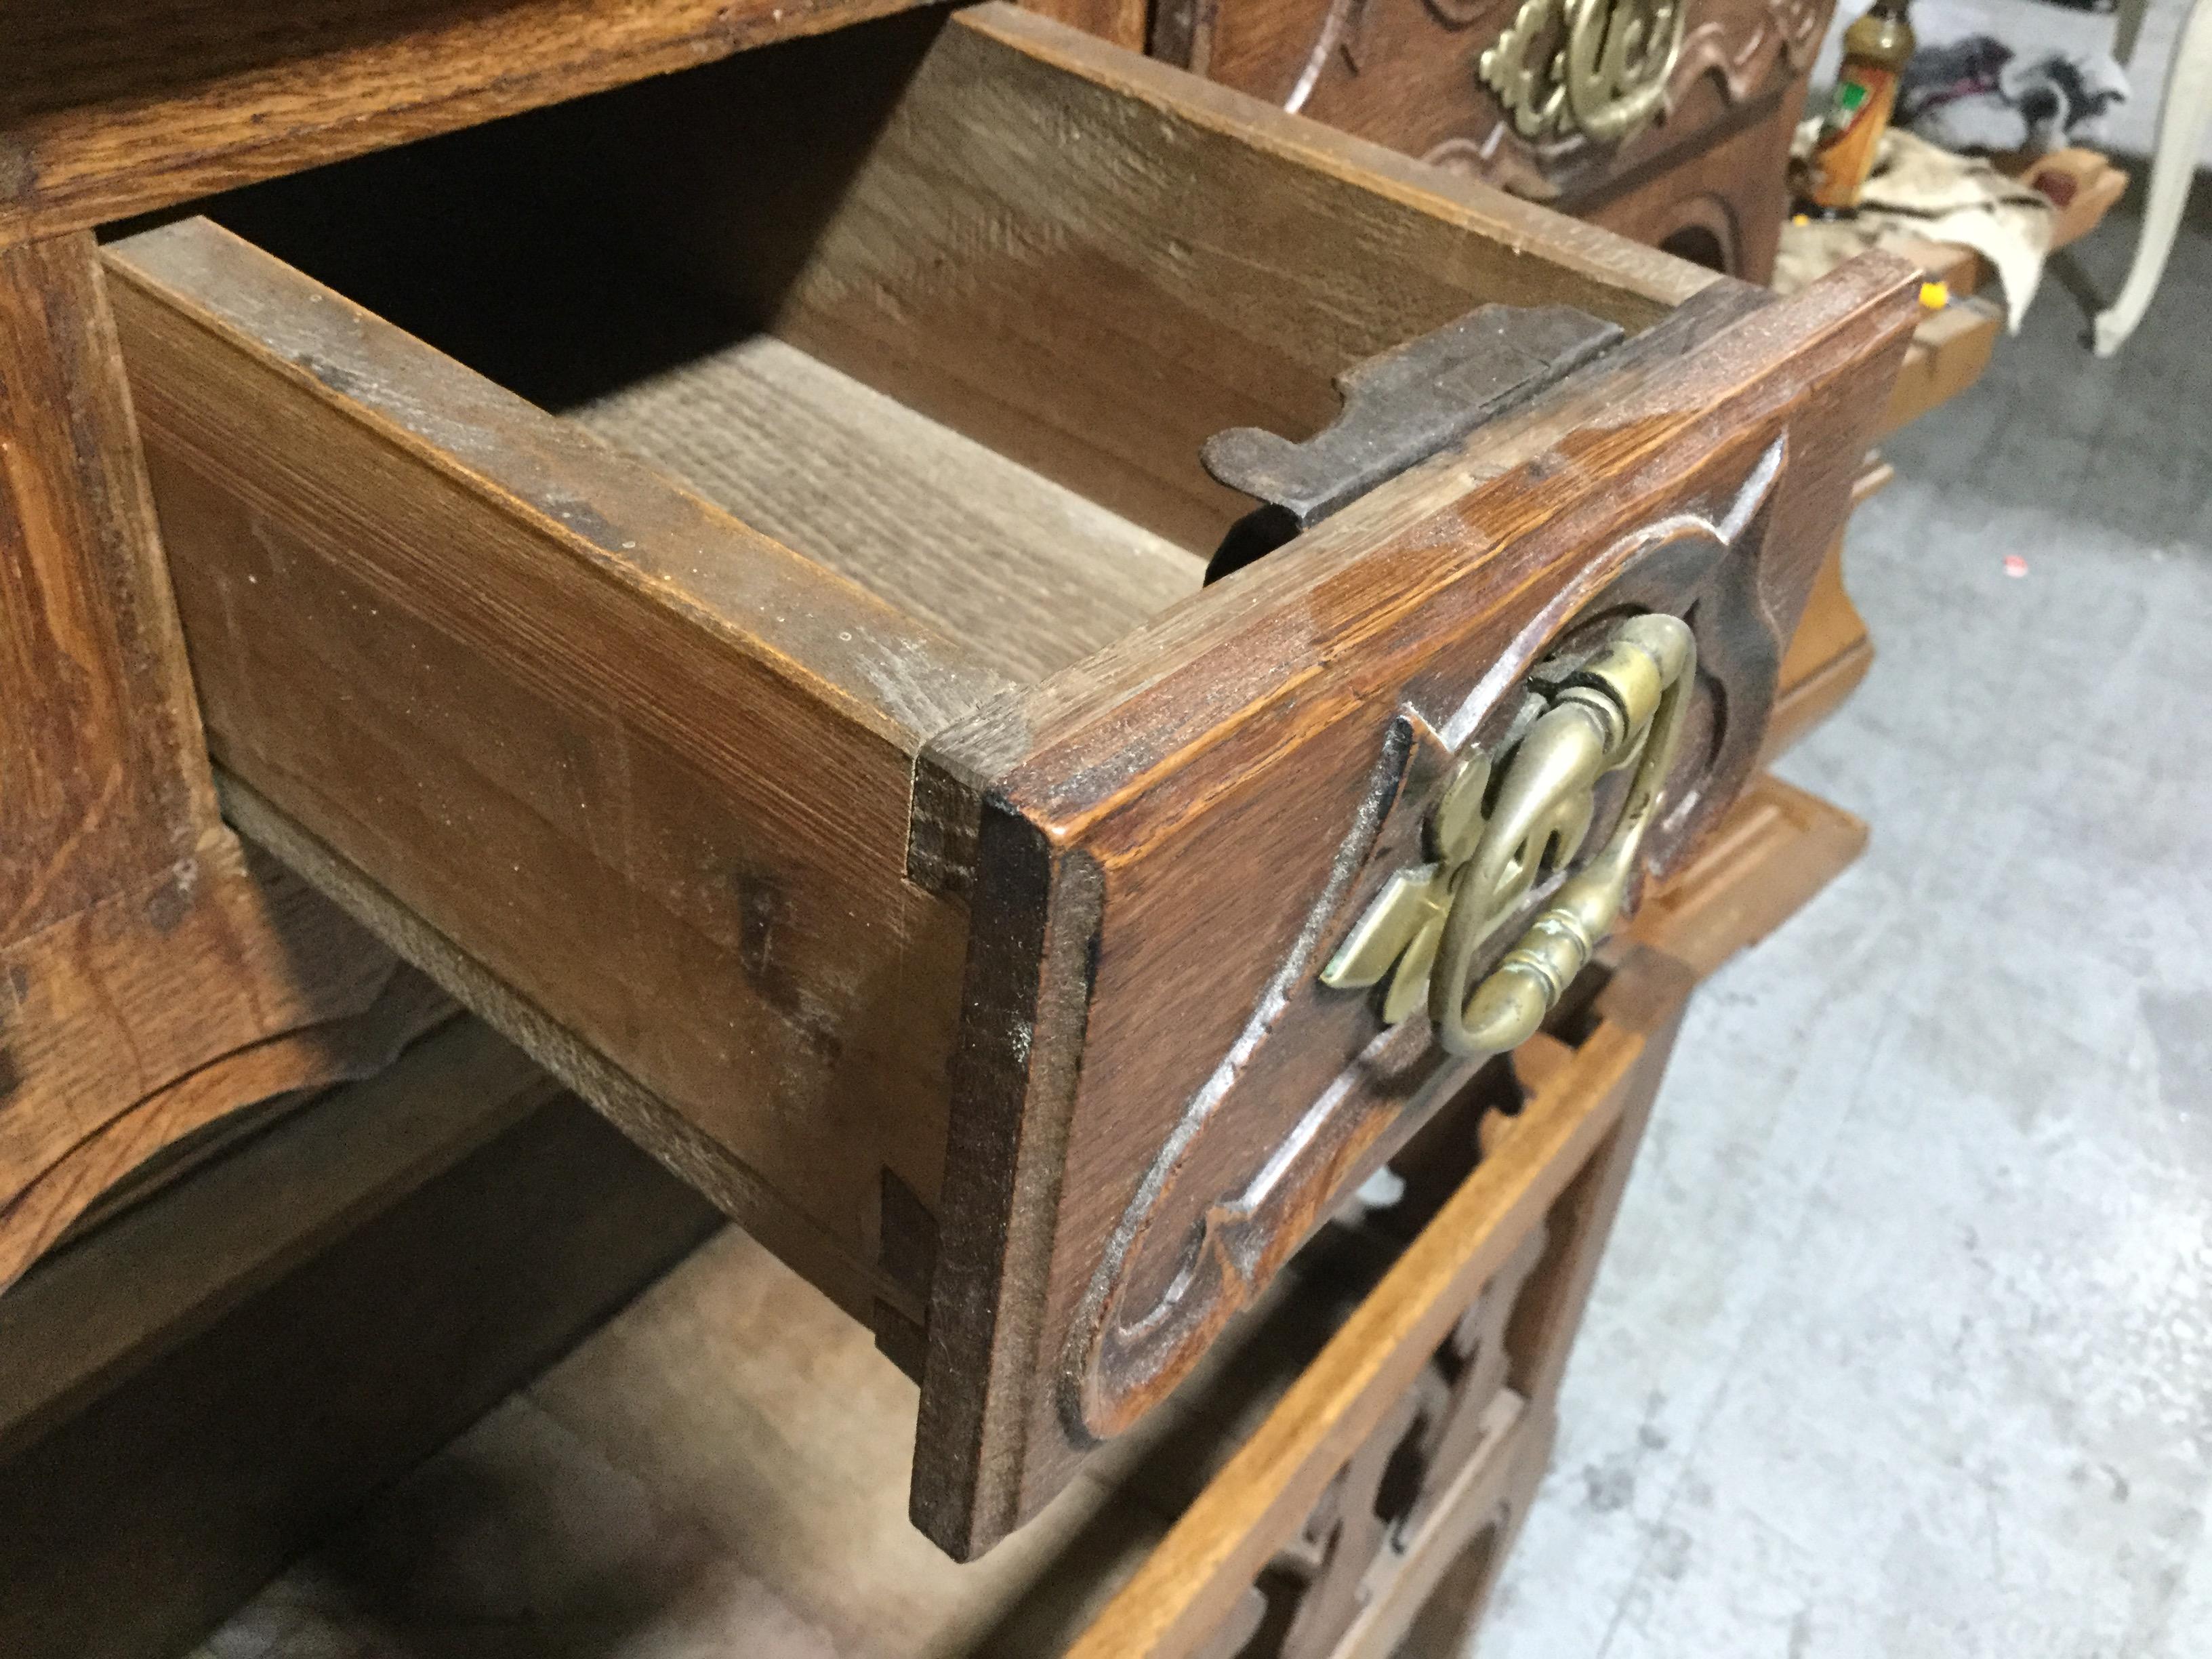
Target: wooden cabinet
788 705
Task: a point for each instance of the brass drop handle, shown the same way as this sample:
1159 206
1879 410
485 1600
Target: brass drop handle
1625 705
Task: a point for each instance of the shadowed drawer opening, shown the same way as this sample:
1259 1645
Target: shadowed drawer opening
956 338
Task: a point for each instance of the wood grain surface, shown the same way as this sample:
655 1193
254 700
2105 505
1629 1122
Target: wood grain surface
1409 77
1190 1583
1152 876
698 740
110 108
639 782
151 979
1028 574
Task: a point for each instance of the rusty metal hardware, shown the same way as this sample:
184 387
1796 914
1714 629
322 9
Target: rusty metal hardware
1490 847
1401 407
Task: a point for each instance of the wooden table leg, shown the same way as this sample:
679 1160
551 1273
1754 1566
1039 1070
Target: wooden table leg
150 982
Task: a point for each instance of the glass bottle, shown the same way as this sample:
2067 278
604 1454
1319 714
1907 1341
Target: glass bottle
1875 49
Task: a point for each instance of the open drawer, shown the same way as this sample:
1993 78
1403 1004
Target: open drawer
772 679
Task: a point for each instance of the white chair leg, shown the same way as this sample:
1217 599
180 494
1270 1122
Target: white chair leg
2182 120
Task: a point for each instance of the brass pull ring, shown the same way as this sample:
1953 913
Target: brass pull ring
1625 705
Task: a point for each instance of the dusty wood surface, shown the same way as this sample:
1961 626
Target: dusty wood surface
903 200
732 1453
151 980
700 741
704 743
109 788
245 1356
1026 574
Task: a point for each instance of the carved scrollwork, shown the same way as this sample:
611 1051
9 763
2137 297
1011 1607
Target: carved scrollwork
1230 1193
1595 68
1743 56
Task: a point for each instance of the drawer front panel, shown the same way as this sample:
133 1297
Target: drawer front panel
1439 80
1158 1097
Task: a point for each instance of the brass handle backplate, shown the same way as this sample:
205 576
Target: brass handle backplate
1489 845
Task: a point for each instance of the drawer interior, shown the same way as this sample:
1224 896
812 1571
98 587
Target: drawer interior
924 309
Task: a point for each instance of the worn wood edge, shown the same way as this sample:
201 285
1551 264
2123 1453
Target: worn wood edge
372 76
1594 263
67 271
1188 1583
959 766
101 1310
1013 734
1876 306
736 1189
840 663
1025 999
1040 735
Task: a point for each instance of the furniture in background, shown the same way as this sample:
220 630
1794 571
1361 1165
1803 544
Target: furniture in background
2185 116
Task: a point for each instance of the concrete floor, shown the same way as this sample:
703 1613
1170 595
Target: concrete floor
1904 1347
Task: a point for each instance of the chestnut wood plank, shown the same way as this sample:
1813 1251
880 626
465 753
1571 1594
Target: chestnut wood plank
1028 574
1127 318
110 108
107 777
688 745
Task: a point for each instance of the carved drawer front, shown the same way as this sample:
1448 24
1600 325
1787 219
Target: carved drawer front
1368 1513
1553 99
716 576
